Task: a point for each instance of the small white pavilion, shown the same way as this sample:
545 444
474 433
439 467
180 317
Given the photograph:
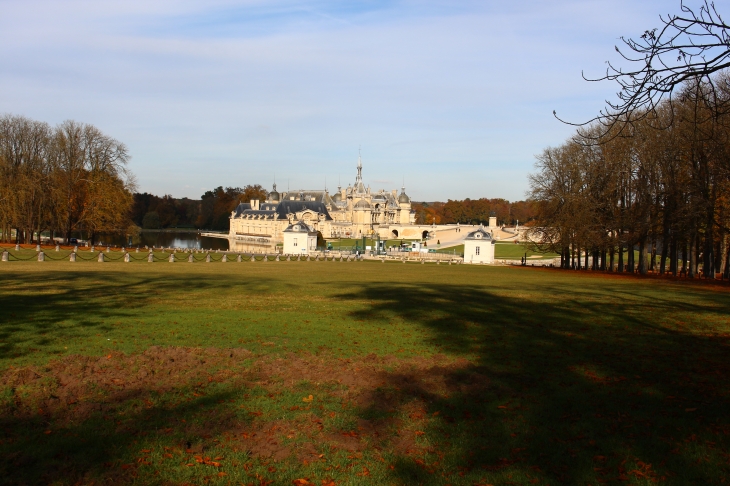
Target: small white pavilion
479 247
299 239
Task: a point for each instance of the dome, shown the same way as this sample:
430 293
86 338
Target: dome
337 197
362 204
403 198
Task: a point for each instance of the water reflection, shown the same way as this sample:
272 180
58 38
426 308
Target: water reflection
189 240
167 239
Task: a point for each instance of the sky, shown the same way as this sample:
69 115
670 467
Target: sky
452 98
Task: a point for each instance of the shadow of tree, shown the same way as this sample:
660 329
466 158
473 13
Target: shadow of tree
61 304
573 393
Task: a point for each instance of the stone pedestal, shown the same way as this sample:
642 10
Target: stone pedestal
150 257
41 256
126 257
58 248
207 258
5 255
171 259
238 258
72 257
190 258
224 259
101 257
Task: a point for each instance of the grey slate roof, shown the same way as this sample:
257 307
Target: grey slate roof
480 234
282 209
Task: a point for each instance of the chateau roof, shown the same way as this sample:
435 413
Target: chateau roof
298 227
285 207
479 234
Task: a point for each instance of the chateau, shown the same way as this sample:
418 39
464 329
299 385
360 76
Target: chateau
350 212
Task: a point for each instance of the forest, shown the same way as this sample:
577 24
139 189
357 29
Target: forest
644 185
211 211
63 179
475 211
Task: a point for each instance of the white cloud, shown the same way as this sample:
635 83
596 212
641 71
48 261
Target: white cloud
455 96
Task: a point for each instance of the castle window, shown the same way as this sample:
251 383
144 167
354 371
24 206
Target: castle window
295 241
476 251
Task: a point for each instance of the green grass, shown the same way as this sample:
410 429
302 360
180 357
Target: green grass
419 374
347 243
506 251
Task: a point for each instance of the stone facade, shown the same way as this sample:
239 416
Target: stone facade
351 212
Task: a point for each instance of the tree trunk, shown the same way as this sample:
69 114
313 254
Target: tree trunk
673 257
723 253
652 260
643 256
630 257
611 254
620 257
708 260
692 256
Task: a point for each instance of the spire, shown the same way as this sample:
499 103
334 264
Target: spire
359 167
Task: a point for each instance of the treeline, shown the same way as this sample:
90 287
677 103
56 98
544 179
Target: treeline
658 186
475 211
63 179
210 212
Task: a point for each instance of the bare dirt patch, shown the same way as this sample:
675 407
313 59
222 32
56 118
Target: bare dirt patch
387 396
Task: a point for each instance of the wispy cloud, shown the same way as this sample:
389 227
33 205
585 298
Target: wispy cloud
456 97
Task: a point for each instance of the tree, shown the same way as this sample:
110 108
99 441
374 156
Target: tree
68 178
689 47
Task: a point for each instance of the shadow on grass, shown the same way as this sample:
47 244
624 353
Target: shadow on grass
573 393
108 444
40 309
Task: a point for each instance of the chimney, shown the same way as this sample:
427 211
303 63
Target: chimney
255 204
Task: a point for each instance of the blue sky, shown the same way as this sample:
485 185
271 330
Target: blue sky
455 98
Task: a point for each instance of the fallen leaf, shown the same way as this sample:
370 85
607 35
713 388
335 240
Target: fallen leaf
308 399
301 482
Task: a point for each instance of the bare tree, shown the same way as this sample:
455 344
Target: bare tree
691 46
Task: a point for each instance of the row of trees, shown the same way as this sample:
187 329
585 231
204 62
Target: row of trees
657 184
154 212
475 211
211 211
62 179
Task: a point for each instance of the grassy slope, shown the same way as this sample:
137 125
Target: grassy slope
585 377
507 251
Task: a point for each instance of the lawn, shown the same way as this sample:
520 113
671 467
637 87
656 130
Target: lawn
504 251
359 373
